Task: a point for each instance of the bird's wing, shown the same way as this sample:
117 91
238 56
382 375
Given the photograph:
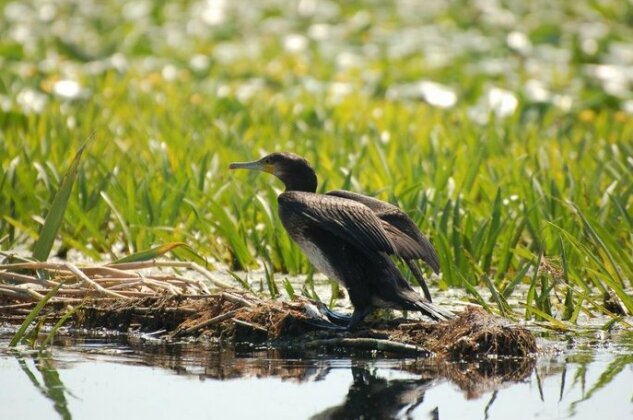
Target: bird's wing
376 205
423 249
349 220
409 242
406 247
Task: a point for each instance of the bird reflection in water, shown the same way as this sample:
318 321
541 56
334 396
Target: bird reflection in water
370 395
374 397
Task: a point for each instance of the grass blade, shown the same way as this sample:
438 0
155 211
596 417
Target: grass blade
59 324
242 281
32 315
532 290
289 289
55 216
503 305
150 254
270 281
507 291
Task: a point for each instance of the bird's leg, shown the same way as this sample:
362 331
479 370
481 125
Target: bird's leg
358 316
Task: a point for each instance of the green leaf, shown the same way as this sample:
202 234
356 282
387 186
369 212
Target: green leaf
150 254
270 281
289 289
503 305
529 307
507 291
55 216
32 315
59 324
241 281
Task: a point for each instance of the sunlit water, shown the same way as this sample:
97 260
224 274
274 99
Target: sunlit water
104 379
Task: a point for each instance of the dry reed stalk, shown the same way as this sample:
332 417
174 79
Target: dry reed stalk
250 325
17 306
214 320
237 299
118 281
19 292
89 281
174 264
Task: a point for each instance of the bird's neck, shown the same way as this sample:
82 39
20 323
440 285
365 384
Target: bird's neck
305 180
302 185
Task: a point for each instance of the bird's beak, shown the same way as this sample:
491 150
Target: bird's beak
257 165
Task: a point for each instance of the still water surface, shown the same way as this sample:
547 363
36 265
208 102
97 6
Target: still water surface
97 378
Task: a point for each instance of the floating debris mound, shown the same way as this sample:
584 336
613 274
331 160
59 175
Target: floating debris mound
172 307
238 317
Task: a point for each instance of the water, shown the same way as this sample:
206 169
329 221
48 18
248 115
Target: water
581 378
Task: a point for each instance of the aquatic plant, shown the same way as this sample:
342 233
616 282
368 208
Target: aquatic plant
508 144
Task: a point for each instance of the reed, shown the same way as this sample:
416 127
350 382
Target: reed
538 198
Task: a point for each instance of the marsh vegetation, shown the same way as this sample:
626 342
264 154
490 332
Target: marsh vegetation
503 128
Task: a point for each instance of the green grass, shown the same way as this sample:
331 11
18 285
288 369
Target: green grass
542 197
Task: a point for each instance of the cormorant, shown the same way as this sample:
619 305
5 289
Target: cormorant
349 238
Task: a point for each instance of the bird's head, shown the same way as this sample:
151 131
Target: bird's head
293 170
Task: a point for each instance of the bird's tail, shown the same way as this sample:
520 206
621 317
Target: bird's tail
434 311
420 278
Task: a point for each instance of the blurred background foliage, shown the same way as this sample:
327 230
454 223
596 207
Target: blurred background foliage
504 128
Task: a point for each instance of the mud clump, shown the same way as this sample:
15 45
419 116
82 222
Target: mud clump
470 335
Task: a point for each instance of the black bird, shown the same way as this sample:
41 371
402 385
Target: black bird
349 238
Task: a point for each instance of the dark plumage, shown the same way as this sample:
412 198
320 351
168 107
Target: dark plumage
409 242
349 237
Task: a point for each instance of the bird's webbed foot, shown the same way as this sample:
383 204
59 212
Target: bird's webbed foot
324 324
317 315
335 317
357 317
338 321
